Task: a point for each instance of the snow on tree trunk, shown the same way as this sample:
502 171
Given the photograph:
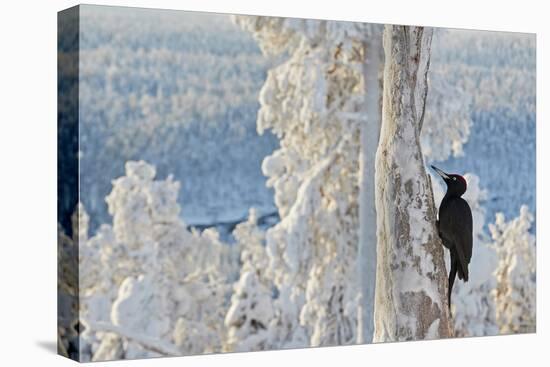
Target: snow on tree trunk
411 282
370 132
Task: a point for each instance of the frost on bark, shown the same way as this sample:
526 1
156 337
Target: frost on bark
411 281
370 132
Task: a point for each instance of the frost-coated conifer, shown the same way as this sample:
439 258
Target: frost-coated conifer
150 286
251 310
515 293
314 101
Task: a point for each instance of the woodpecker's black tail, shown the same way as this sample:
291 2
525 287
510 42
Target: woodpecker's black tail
452 275
457 253
462 266
462 272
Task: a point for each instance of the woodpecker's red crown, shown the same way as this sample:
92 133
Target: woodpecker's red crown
459 177
450 179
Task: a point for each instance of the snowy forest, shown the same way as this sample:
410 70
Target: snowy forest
253 183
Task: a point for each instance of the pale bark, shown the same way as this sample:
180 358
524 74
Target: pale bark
411 282
370 132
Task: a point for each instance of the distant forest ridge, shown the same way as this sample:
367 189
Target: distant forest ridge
180 91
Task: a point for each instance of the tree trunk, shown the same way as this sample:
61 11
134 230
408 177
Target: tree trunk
411 282
370 132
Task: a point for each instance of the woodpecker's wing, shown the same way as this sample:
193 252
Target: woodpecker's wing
455 224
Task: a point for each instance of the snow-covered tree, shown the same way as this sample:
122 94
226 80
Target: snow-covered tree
314 101
250 315
250 240
515 294
411 281
150 286
251 310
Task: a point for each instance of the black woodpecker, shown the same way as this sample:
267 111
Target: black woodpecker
455 226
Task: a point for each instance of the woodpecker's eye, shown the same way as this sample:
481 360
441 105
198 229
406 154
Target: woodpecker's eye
454 178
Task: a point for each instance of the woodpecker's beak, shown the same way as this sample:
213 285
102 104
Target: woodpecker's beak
440 172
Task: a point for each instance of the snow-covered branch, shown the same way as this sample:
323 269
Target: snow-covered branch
152 344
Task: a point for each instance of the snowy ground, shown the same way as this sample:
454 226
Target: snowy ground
181 93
